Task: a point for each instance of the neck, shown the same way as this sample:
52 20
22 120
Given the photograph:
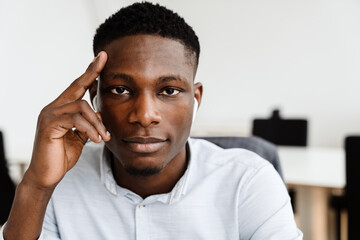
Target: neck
162 182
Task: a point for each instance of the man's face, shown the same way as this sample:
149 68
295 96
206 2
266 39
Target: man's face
146 98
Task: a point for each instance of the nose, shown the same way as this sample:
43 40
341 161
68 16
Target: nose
144 111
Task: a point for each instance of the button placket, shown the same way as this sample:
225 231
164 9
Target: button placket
142 224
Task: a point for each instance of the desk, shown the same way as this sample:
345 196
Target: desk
314 173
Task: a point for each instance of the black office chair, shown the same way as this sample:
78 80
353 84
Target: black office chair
351 199
7 187
282 132
260 146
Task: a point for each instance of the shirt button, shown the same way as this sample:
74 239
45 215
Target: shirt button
142 206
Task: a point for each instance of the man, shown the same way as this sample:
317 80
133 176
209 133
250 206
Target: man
149 180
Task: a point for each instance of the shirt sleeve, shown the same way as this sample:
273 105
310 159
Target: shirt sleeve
50 229
266 204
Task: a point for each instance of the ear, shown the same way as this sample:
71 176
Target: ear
93 90
198 91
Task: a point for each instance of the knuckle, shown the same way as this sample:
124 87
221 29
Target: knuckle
44 122
98 121
83 104
79 84
83 107
76 117
44 115
44 110
41 116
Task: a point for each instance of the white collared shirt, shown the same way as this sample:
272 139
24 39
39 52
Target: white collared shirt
224 194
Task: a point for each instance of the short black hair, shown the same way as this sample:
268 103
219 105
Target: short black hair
146 18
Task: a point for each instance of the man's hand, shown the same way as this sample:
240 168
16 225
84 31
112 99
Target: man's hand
63 128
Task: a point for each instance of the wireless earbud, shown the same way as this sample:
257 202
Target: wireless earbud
196 105
95 104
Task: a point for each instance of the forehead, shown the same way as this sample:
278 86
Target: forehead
149 56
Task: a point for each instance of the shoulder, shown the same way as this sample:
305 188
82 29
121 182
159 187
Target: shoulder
250 185
236 167
244 173
208 153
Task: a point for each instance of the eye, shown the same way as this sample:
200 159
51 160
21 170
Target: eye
119 90
170 92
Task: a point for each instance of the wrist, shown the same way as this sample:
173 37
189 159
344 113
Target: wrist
27 213
29 184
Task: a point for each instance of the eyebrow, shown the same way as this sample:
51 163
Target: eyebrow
162 79
122 76
170 78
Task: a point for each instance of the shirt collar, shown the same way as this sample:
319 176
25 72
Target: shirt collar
107 178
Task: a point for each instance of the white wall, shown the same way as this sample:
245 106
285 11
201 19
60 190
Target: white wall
300 56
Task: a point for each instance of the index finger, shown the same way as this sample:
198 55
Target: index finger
77 88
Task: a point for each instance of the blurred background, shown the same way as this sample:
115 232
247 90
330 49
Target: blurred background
302 57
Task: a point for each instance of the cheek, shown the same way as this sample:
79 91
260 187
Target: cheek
113 116
180 120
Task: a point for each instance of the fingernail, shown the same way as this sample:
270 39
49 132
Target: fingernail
100 138
107 134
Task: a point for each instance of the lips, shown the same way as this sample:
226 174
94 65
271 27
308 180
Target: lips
144 144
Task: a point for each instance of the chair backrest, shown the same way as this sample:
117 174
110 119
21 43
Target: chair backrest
287 132
260 146
352 152
7 187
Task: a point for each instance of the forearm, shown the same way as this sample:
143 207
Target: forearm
28 211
